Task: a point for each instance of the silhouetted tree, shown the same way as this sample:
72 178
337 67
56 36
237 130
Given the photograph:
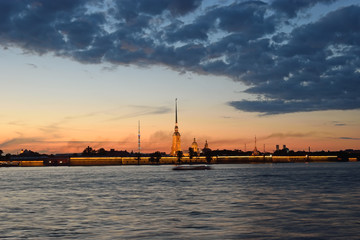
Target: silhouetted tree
155 157
179 155
102 152
29 153
191 153
343 156
208 155
89 151
205 151
152 158
138 155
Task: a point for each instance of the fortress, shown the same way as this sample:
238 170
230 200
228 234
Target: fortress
206 155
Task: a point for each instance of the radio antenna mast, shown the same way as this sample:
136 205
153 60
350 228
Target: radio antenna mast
139 137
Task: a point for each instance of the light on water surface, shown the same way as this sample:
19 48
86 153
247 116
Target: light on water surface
278 201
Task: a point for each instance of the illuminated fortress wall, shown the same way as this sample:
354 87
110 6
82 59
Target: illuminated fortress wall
104 161
31 163
95 161
272 159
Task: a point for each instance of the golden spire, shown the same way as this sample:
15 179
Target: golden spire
176 135
176 112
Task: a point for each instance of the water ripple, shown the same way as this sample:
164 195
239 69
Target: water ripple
280 201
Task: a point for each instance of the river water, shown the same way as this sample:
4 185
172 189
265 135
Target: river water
262 201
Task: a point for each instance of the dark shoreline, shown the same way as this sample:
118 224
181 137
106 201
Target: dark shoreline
106 161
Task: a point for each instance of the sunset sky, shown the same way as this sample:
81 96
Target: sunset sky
78 73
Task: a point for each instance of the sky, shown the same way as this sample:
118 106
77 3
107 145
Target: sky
78 73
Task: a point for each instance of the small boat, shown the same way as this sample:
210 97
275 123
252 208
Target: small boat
190 167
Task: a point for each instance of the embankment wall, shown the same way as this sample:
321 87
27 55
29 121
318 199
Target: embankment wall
31 163
103 161
273 159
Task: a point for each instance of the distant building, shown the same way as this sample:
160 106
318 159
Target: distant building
195 147
206 148
176 142
206 145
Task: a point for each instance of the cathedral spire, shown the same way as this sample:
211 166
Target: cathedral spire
176 143
176 121
176 118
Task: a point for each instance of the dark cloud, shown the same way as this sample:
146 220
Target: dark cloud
248 18
292 134
292 7
313 67
189 33
338 124
131 9
349 138
32 65
268 107
316 70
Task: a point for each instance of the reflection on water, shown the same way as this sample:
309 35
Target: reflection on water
278 201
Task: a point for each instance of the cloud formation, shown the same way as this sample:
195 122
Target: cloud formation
349 138
293 135
47 145
291 65
143 111
20 141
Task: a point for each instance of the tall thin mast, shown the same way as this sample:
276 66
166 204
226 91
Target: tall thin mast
139 137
